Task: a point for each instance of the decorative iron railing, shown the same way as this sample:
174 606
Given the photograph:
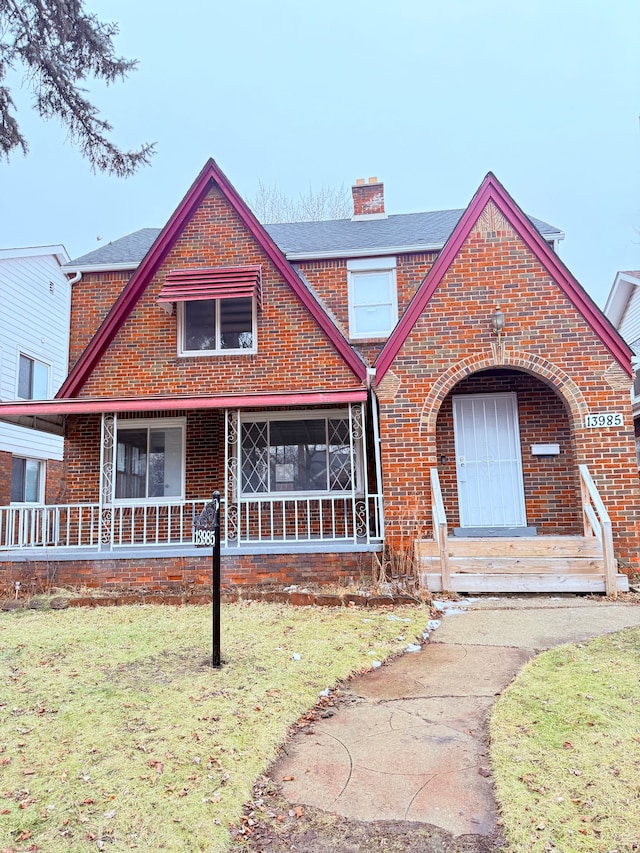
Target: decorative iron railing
335 518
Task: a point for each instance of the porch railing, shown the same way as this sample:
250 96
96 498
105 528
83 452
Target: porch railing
597 523
440 531
249 521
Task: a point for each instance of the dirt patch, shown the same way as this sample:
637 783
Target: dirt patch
271 823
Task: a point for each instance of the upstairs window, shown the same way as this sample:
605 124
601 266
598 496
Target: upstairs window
216 308
373 299
218 325
26 480
33 379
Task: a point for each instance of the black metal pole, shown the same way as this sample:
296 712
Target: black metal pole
215 580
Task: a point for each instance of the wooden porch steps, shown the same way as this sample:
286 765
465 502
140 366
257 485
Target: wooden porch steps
517 564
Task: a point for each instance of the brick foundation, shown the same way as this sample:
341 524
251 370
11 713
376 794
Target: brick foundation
236 570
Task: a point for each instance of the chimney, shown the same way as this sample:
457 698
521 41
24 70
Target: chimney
368 199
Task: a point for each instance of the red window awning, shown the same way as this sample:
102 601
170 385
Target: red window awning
213 283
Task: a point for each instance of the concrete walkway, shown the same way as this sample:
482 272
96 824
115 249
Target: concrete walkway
409 743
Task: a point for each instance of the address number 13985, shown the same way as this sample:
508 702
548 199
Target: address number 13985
613 419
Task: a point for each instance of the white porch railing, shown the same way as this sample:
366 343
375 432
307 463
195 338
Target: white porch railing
597 523
335 518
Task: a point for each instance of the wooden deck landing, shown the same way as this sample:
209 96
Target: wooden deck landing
517 564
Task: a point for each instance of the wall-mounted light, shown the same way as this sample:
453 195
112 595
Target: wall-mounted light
497 322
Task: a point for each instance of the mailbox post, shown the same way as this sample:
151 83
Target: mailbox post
207 532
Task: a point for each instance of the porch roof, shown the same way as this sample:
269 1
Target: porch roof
49 415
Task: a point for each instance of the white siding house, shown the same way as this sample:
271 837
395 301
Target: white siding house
623 309
35 298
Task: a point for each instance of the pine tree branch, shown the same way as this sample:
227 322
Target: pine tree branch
60 47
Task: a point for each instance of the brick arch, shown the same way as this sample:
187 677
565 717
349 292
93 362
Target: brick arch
527 362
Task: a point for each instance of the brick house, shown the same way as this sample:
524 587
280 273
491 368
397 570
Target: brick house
353 389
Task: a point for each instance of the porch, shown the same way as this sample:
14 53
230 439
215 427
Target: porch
65 532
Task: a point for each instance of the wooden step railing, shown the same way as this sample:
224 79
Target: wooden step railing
440 532
597 523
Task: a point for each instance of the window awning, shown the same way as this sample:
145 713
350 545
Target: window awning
213 283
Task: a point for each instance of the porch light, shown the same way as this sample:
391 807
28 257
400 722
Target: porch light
497 322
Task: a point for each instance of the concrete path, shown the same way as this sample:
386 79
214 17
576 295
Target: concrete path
409 743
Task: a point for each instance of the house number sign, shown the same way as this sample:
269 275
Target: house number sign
608 419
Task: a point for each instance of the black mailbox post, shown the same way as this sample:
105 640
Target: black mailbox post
207 532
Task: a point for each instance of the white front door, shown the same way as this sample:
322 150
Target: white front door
488 460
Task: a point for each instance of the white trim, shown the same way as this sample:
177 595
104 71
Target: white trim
357 217
149 424
58 251
372 264
127 265
216 353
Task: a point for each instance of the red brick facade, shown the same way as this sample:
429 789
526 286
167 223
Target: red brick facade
236 570
544 336
550 355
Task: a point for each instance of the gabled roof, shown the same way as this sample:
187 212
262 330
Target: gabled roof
492 190
125 303
337 238
125 253
394 234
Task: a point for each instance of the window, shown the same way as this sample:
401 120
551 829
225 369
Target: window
218 325
33 379
149 461
27 480
373 299
312 454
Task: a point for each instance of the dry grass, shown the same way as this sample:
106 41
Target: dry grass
116 734
566 749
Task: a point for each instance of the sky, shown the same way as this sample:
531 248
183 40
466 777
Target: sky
428 97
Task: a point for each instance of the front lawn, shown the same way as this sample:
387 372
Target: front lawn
566 749
116 734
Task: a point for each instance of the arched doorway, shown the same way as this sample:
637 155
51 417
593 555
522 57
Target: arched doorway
506 456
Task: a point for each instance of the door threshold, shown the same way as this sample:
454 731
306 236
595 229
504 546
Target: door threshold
495 532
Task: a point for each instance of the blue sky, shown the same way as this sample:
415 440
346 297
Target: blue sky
426 96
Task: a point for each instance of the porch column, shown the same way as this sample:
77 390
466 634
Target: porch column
106 486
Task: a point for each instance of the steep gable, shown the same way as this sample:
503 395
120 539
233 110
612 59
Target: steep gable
492 200
211 180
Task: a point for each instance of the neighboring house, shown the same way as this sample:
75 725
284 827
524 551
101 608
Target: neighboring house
350 387
35 298
623 309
